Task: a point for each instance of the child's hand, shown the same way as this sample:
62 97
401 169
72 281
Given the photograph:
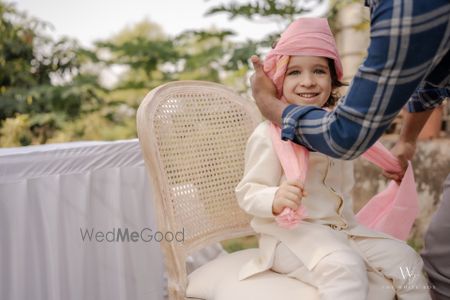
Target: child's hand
289 194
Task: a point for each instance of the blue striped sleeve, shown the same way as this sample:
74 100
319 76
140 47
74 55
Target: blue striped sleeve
409 45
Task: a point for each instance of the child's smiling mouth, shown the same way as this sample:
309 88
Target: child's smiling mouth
308 95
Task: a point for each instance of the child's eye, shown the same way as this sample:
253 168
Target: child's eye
293 72
320 71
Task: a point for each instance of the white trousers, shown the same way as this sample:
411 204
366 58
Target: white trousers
343 274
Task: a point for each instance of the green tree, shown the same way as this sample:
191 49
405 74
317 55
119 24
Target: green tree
56 91
40 79
269 10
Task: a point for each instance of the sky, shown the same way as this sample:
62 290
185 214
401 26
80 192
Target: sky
90 20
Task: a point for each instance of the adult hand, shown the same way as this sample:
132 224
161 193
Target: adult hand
264 92
405 148
404 151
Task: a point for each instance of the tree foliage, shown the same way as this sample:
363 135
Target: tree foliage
56 90
272 10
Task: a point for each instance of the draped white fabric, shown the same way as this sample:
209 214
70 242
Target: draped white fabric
49 196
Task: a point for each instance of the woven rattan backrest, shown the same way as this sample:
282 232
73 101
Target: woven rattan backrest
193 136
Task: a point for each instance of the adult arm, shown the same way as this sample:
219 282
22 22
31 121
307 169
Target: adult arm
405 147
412 125
402 54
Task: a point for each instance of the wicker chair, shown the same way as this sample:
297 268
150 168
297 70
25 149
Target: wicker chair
193 136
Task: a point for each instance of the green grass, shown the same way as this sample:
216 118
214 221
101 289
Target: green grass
234 245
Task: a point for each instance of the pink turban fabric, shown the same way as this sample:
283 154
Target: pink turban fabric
304 37
394 210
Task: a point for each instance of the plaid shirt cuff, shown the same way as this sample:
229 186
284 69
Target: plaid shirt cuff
427 98
288 130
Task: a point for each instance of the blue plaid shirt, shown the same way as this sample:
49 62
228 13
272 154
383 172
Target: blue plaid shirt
408 59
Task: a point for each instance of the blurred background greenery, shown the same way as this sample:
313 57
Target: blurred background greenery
52 90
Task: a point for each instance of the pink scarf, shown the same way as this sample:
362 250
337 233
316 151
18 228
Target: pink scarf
392 211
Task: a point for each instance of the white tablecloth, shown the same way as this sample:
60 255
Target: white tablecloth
49 195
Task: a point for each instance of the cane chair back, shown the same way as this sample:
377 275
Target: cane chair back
193 136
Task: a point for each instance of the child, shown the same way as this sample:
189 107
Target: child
328 249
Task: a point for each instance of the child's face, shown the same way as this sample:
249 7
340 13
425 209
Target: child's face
307 81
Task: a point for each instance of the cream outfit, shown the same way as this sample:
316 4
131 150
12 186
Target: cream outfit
328 245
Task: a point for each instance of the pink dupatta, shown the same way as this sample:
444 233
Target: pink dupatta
391 211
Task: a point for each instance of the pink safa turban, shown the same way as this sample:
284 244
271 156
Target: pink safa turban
304 37
392 211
